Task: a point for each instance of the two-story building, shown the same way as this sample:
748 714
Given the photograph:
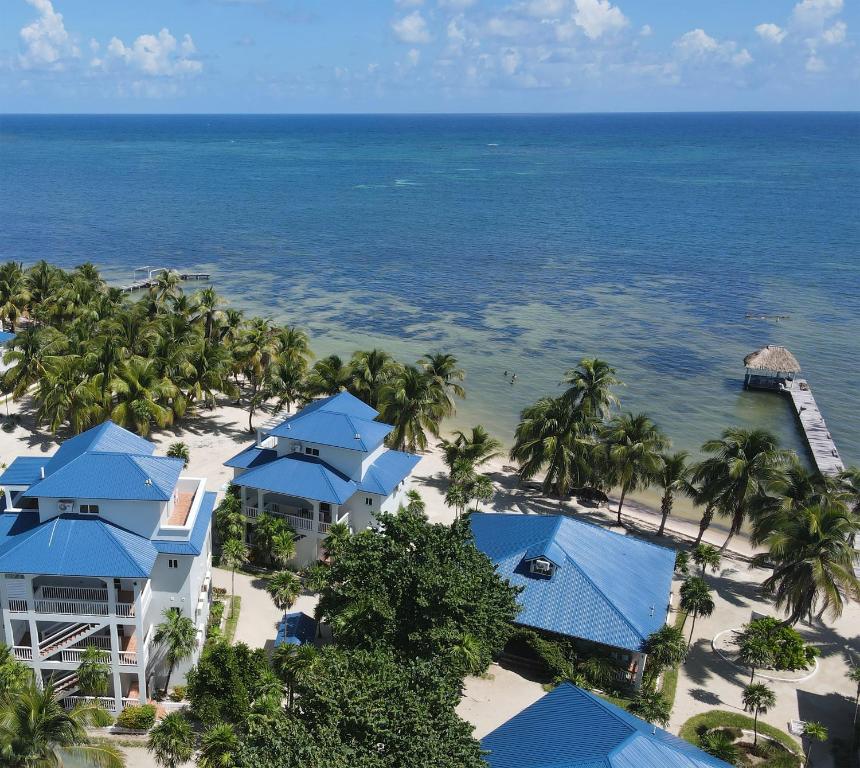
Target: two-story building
96 542
327 463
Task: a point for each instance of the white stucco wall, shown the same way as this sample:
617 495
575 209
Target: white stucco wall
140 517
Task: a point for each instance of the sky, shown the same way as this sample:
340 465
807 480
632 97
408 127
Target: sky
304 56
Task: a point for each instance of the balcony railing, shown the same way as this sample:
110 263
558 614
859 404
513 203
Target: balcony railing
251 512
23 652
16 605
86 594
324 527
82 608
300 523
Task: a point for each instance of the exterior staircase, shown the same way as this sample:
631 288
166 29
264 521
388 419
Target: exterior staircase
66 637
65 683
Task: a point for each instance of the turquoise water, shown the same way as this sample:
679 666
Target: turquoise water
519 243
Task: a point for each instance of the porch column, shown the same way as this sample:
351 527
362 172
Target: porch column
114 663
8 637
142 659
259 501
8 498
34 632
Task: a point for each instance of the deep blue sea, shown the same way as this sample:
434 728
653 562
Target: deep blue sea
520 243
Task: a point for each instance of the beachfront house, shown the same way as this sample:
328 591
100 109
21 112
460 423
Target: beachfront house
327 463
573 728
96 542
606 591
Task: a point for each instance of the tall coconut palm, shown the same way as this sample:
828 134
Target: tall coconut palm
410 402
555 439
813 561
633 445
707 482
207 304
283 547
590 387
142 396
336 540
328 376
477 447
219 747
168 285
171 741
696 600
445 375
369 371
43 280
234 554
28 356
208 372
293 344
14 293
291 663
284 588
287 380
255 351
752 461
673 477
36 730
665 648
66 394
178 636
758 699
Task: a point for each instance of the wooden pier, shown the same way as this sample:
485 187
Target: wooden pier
151 278
818 438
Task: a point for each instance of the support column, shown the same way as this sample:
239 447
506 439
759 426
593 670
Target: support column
34 632
8 498
114 646
259 501
316 529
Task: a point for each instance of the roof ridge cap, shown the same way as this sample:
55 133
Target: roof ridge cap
111 530
609 709
356 431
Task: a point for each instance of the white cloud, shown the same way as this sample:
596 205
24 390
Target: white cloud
835 34
598 17
698 45
409 3
456 4
157 55
545 9
814 13
412 28
814 64
646 30
413 56
46 41
502 26
772 33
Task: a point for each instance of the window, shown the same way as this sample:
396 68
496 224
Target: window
325 507
312 451
89 509
368 501
172 563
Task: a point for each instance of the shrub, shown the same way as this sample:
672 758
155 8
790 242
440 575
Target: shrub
219 591
137 718
178 692
786 646
102 718
216 613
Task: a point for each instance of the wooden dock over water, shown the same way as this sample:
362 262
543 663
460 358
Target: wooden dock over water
818 438
151 278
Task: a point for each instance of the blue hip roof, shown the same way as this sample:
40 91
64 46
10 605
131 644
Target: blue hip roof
573 728
608 588
296 629
387 471
251 457
24 471
303 476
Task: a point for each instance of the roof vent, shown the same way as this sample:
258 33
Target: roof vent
357 436
42 472
148 481
542 566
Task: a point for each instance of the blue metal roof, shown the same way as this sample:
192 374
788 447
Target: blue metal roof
107 437
72 545
342 421
251 457
96 475
6 336
572 728
387 471
194 545
609 588
296 629
300 475
24 471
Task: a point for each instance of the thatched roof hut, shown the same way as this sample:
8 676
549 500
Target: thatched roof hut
772 358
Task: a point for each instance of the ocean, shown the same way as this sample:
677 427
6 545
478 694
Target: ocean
519 243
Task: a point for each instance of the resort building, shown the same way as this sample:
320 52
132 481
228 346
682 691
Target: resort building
606 591
325 464
573 728
96 543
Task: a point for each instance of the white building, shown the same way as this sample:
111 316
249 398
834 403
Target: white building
96 542
325 464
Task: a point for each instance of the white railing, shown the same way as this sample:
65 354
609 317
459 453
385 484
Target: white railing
106 702
65 635
72 655
17 606
125 609
300 523
324 527
98 641
128 658
130 702
86 594
23 652
74 607
251 512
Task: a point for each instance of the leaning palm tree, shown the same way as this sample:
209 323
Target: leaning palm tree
219 747
696 600
590 387
410 402
707 481
36 730
284 588
633 445
672 478
813 561
758 699
178 636
751 461
369 371
171 741
445 376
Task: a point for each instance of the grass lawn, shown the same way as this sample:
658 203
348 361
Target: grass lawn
720 719
232 619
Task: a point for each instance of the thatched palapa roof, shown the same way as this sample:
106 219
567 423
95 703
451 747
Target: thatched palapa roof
772 358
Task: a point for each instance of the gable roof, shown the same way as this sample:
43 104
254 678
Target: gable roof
98 475
608 588
72 545
250 457
573 728
298 475
341 421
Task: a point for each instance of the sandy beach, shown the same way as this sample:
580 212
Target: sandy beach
214 435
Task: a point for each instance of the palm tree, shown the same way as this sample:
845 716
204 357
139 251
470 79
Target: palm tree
255 351
208 306
696 599
673 477
207 372
28 356
283 547
178 635
14 675
167 286
219 747
755 652
335 541
180 450
813 731
287 382
813 560
444 376
328 376
171 742
477 447
853 676
43 279
291 663
141 394
234 554
720 744
633 445
758 698
707 481
665 648
651 706
590 387
369 371
284 587
751 462
294 345
467 654
410 402
36 730
14 293
94 671
706 556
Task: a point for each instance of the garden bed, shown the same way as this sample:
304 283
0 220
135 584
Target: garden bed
775 749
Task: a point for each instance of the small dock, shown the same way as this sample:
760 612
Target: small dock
146 277
774 368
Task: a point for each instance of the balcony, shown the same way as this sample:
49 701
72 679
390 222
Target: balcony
299 523
77 601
